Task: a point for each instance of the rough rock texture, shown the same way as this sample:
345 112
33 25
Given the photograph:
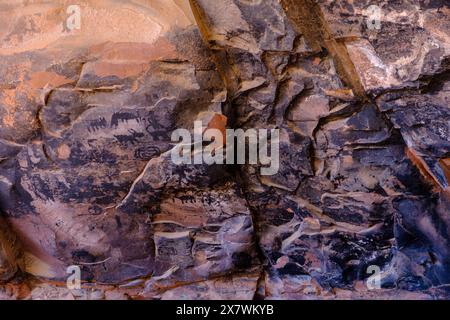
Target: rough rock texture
86 177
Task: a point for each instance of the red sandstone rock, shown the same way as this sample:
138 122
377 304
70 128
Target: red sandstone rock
86 179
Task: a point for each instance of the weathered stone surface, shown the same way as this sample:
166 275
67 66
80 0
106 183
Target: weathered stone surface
85 137
338 207
10 253
410 42
86 176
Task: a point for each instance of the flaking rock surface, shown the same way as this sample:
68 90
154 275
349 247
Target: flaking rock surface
86 176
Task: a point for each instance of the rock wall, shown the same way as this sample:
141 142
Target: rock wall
86 177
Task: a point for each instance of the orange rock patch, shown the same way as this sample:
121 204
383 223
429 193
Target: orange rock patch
39 80
129 59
